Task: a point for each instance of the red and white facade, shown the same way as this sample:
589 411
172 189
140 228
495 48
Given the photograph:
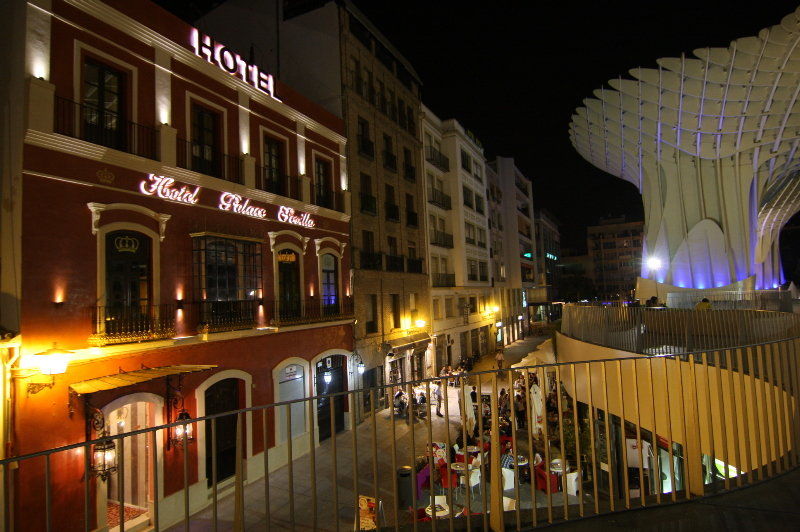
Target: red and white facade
168 204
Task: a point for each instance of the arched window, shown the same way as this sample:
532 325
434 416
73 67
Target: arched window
289 303
330 284
128 279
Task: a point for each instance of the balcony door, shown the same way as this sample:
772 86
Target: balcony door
102 112
206 152
128 280
289 304
330 284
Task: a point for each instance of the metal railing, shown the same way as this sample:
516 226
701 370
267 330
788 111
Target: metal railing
395 263
208 161
369 203
104 127
412 219
414 265
329 199
779 300
440 199
219 316
283 185
441 239
443 279
671 331
591 438
437 158
329 308
409 172
131 323
371 260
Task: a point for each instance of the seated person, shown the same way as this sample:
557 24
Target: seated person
421 399
507 459
400 402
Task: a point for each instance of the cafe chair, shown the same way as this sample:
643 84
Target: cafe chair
509 504
509 477
474 478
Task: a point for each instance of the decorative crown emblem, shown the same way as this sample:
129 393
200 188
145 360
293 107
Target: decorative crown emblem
105 176
126 244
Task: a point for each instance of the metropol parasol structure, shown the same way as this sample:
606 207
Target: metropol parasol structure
712 142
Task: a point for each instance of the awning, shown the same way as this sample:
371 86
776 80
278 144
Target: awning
120 380
408 342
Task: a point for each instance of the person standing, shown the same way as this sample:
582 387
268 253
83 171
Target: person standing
519 410
437 394
500 358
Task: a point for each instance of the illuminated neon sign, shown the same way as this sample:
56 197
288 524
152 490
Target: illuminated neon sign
220 55
287 214
233 202
162 187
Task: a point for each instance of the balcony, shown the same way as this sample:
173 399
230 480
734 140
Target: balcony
205 160
441 280
282 185
441 239
437 158
105 128
395 263
409 173
392 211
389 161
128 324
314 310
469 240
327 198
412 219
366 147
440 199
369 203
414 265
371 260
220 316
472 277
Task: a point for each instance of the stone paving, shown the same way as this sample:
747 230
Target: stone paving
328 514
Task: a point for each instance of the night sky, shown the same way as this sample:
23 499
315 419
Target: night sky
513 73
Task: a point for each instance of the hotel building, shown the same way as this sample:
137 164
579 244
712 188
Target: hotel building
175 238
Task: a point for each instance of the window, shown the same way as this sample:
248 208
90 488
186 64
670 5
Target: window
206 152
469 198
365 145
128 281
484 270
466 161
371 322
449 312
274 169
472 268
395 301
479 204
477 171
104 101
410 203
330 284
389 190
368 241
412 250
473 304
437 310
469 233
323 183
481 237
392 246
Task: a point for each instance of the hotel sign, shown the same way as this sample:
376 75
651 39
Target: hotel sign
168 189
220 55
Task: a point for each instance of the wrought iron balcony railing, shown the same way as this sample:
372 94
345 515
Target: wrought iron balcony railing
366 147
443 279
395 263
437 158
440 199
414 265
371 260
131 323
297 312
409 172
389 161
412 219
369 203
219 316
283 185
392 211
209 161
441 239
104 127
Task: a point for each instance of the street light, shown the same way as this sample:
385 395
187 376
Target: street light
653 263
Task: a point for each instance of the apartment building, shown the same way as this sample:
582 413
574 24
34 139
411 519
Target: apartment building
180 230
615 246
331 52
548 251
510 195
458 250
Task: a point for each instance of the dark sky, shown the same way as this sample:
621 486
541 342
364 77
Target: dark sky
513 73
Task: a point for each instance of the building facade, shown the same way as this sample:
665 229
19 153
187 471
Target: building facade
615 247
548 251
509 195
458 250
334 54
181 227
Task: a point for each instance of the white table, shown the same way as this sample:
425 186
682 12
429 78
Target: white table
442 511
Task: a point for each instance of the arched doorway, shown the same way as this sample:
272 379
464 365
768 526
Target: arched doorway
330 378
139 491
221 397
289 304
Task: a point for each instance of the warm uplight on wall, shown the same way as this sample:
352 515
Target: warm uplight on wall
52 362
420 323
311 289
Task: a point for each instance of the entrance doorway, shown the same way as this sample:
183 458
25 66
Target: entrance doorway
221 397
289 305
137 489
334 367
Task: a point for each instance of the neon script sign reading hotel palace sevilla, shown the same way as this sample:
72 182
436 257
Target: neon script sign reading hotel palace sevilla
220 55
165 188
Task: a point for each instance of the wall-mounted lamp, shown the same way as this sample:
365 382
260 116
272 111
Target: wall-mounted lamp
359 363
495 309
51 362
179 304
420 323
104 457
186 429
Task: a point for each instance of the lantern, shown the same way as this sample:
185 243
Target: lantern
104 458
179 430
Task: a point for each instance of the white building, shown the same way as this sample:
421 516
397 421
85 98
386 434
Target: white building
458 245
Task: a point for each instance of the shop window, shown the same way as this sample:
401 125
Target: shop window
103 112
206 145
330 284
